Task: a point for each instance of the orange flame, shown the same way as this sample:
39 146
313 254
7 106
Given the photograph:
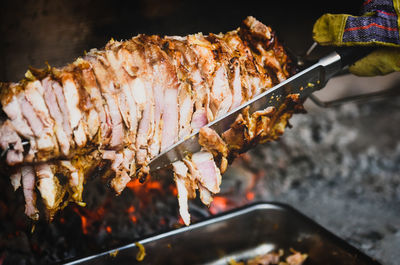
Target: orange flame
250 195
218 204
131 209
174 190
84 225
136 186
108 229
133 219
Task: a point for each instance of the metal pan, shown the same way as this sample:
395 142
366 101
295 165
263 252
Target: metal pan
243 233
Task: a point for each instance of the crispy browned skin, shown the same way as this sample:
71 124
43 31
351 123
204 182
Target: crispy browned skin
118 107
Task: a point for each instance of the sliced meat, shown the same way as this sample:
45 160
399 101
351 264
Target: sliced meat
135 98
122 163
72 100
209 175
55 112
236 85
90 84
118 183
211 141
47 185
33 93
126 100
184 61
185 104
14 113
15 179
110 95
205 195
170 119
145 130
159 86
180 174
58 91
43 141
21 126
202 75
28 185
199 119
75 180
10 140
296 259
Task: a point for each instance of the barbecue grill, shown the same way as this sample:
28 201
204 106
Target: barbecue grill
339 166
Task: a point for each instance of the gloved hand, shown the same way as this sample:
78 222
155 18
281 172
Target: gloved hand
378 26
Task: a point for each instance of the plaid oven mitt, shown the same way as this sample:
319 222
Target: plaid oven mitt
378 26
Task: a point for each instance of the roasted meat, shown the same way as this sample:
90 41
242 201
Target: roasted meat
118 107
274 258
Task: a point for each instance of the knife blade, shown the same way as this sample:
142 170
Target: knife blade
303 83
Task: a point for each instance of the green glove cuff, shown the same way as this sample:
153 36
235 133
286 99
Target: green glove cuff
328 29
380 62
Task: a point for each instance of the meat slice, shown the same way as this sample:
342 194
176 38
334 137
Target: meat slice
43 141
210 140
10 139
55 113
221 95
58 91
28 185
205 195
145 130
159 86
170 119
236 85
21 126
209 175
225 90
165 92
199 119
296 258
180 174
126 101
124 171
202 74
13 111
185 104
118 183
109 93
15 179
134 64
90 84
184 61
72 100
75 180
47 185
34 94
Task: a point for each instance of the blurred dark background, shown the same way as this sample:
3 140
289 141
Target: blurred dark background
33 32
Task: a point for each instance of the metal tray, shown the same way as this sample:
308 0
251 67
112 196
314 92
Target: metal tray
243 233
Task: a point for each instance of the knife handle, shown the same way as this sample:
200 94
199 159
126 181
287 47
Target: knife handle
350 55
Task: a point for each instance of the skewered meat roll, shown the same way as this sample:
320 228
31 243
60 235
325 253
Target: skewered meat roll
119 107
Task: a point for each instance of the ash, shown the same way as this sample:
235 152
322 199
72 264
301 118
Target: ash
341 167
